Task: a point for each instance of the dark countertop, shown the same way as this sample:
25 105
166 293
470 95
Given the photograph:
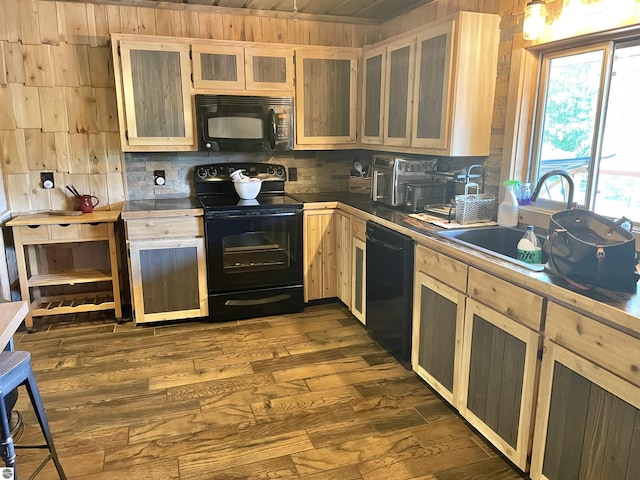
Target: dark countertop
620 309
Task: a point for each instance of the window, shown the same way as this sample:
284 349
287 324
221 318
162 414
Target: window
588 112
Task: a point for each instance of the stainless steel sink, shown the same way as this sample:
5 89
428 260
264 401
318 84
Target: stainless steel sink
498 241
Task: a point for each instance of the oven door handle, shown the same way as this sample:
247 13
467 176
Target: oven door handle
257 301
236 217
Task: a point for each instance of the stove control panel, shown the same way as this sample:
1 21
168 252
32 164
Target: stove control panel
221 172
216 178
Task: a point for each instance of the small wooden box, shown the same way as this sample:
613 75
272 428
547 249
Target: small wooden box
360 185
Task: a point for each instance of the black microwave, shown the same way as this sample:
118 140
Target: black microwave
235 123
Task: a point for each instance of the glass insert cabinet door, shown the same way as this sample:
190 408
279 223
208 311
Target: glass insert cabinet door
158 107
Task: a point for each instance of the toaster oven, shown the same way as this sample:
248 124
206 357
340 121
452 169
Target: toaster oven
391 175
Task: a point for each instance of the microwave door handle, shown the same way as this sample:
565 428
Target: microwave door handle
272 129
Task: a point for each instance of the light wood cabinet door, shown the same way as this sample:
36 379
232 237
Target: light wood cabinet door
342 259
432 88
498 384
359 276
156 95
399 74
168 279
218 66
318 252
326 103
588 421
269 68
438 324
374 61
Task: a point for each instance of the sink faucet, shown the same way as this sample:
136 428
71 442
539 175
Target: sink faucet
551 173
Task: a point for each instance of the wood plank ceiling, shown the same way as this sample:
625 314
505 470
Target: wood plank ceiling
357 10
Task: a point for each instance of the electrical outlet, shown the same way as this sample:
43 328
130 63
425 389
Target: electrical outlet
46 180
159 177
293 174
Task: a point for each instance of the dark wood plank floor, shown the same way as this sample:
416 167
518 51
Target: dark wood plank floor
306 395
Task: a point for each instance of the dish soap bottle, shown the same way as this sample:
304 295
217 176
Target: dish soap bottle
529 249
508 209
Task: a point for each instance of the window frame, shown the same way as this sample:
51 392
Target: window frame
522 108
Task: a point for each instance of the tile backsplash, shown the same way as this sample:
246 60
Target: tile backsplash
317 171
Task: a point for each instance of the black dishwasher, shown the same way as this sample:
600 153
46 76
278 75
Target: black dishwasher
390 289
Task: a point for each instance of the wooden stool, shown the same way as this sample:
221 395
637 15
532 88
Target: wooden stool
15 370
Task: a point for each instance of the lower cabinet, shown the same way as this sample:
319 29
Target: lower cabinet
438 315
359 276
359 269
168 276
327 255
341 225
318 255
588 419
499 371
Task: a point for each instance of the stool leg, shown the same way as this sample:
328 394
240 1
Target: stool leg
8 449
36 401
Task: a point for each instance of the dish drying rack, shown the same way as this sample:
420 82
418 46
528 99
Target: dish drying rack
470 207
474 208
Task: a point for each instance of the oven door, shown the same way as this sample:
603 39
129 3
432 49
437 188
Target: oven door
252 250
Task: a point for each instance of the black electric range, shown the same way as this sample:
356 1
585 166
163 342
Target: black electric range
253 246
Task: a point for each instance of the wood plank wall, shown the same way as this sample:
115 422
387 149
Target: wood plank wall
57 99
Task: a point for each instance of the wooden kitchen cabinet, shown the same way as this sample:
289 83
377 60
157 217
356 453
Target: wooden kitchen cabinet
455 85
240 69
374 61
432 88
218 66
439 86
154 93
359 269
438 322
327 255
326 97
398 97
167 268
500 362
588 419
318 255
67 264
388 72
341 225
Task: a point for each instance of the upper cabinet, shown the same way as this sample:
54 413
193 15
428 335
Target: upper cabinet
153 88
432 90
398 96
374 61
326 97
232 68
388 79
217 66
438 86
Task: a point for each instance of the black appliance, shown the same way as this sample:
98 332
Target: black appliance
235 123
390 289
253 247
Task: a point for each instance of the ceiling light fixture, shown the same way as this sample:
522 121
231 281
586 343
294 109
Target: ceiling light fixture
535 19
295 10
